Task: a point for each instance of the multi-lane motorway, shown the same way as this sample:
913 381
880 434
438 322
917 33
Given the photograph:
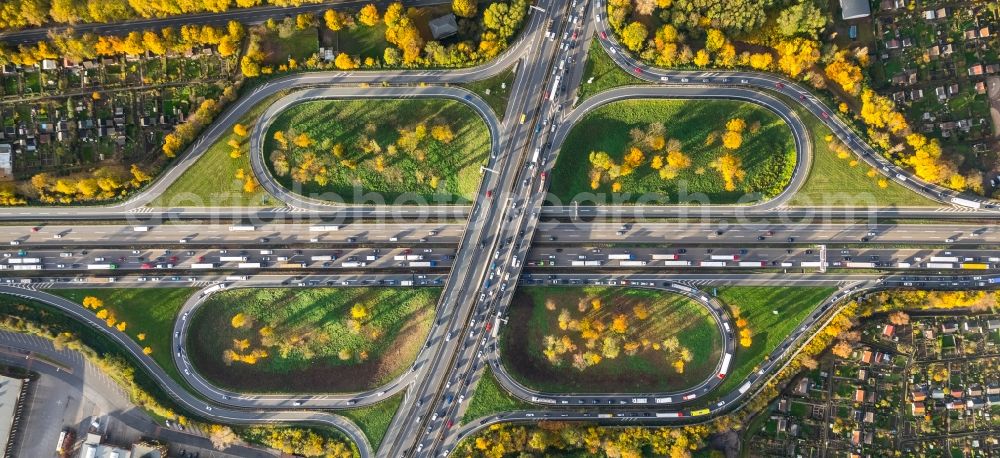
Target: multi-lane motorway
507 235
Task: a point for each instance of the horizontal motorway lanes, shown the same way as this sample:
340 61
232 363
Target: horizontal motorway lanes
190 401
419 235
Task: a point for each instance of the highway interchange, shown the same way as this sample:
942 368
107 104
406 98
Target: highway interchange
481 250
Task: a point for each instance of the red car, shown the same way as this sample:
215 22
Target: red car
449 425
824 115
779 85
489 326
489 193
638 70
34 229
604 35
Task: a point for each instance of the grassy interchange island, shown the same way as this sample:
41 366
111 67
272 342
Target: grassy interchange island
422 148
309 340
600 339
634 148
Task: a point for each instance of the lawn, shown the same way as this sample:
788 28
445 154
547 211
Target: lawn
211 181
362 41
601 73
374 420
490 398
833 182
535 314
757 304
309 340
149 311
499 87
768 156
300 45
369 131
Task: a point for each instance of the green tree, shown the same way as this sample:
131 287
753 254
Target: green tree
634 36
802 18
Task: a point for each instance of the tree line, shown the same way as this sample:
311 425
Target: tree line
88 46
16 14
487 34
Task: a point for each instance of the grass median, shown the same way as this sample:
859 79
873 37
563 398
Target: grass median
771 314
309 340
403 150
604 339
656 128
148 313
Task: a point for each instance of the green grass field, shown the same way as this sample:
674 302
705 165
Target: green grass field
300 45
600 73
768 156
833 182
374 420
309 342
363 41
211 181
534 315
497 98
356 124
490 398
149 311
757 305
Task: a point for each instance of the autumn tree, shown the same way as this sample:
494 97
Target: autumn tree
240 129
899 318
796 56
369 15
335 20
842 349
442 133
731 169
239 320
222 437
359 312
92 302
345 61
844 73
464 8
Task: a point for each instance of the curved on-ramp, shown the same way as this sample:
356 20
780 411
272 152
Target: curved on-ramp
179 394
259 133
722 322
238 399
800 134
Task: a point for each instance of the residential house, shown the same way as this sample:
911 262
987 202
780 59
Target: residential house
917 409
918 395
971 326
949 327
975 390
980 87
976 70
6 164
889 331
859 395
855 9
